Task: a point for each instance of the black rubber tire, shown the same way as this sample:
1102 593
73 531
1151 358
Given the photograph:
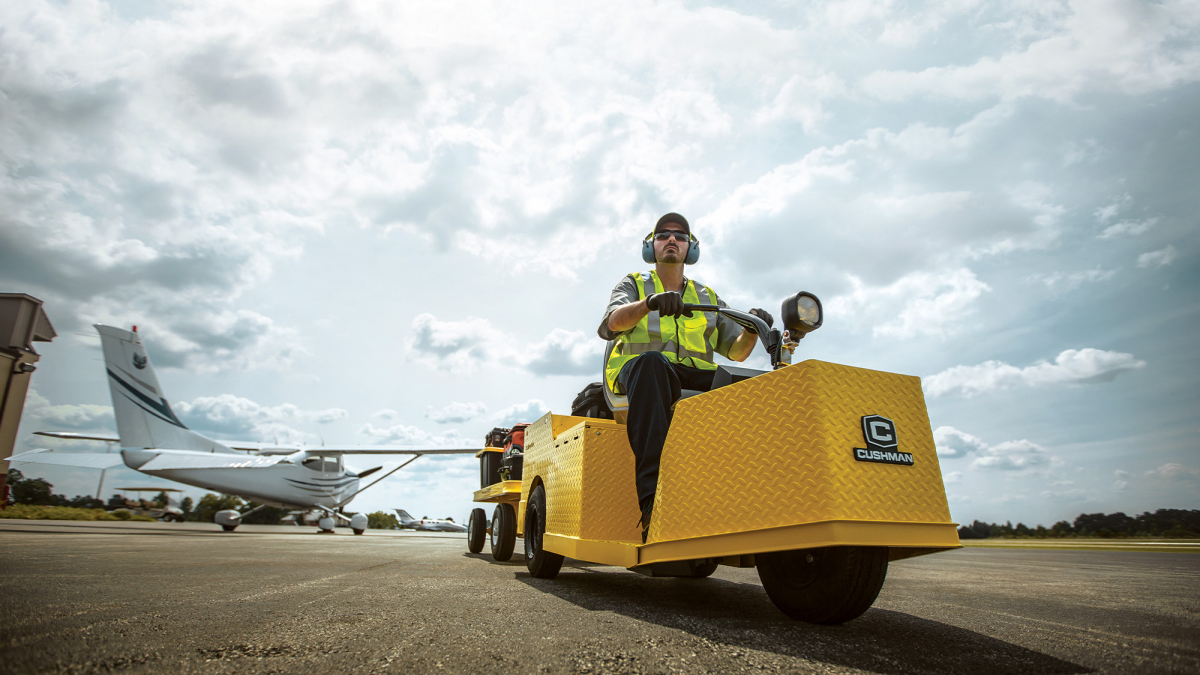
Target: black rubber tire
823 585
229 528
542 564
476 530
359 531
504 532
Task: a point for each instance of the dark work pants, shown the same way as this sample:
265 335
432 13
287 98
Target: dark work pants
653 384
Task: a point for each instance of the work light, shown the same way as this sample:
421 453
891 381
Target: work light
802 314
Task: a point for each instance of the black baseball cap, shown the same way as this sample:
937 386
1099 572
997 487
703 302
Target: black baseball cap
673 218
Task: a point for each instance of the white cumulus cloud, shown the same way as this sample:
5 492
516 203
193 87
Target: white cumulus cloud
1159 258
1069 281
526 412
456 412
235 416
1174 471
1006 456
467 346
1071 367
1104 46
920 303
1130 228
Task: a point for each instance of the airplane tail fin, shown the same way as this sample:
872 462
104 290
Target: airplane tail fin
144 418
404 517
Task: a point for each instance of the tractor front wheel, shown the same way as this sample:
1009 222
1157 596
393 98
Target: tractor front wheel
823 585
476 530
504 532
542 564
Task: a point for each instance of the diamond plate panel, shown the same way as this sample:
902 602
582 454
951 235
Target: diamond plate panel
588 471
609 493
777 450
560 466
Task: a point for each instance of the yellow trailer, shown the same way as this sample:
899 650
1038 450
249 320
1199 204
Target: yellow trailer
817 474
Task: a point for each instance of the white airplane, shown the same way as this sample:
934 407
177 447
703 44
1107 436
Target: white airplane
428 524
153 441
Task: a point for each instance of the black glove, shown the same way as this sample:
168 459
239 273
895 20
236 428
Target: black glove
667 304
764 315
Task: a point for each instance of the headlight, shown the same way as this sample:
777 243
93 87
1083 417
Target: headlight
802 313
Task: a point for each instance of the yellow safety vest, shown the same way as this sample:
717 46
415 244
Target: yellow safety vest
689 341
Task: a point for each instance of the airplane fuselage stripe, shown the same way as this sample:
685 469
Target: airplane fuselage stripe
163 408
147 410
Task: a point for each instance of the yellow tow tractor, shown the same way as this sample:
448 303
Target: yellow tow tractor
816 474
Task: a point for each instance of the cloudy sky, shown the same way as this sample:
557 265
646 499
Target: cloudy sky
400 222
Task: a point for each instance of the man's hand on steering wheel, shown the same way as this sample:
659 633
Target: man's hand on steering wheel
669 303
765 316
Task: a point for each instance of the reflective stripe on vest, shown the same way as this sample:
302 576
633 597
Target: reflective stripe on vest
682 340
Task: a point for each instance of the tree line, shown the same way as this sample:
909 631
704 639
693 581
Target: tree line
1163 523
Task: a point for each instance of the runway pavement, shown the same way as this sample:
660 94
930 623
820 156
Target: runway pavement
82 597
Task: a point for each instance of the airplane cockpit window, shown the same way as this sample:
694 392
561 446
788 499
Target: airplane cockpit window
325 464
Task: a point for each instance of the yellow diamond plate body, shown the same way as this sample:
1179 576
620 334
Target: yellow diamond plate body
587 468
778 450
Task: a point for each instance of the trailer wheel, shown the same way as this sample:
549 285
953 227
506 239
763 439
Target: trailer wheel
824 585
504 532
358 531
542 564
476 530
229 528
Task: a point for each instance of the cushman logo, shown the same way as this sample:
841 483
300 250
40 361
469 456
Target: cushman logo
139 361
882 442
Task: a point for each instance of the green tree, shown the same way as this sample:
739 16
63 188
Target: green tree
30 490
160 499
381 520
186 506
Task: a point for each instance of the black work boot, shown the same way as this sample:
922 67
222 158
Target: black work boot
647 511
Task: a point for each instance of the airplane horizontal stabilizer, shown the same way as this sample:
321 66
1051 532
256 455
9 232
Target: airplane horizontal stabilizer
171 460
71 435
87 460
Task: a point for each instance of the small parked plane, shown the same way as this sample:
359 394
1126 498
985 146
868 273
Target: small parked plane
153 441
428 524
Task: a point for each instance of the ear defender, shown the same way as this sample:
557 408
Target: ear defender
692 256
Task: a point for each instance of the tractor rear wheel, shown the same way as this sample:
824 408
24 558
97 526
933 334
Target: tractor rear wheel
476 530
823 585
504 532
542 564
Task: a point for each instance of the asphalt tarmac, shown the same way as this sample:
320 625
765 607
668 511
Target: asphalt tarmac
186 598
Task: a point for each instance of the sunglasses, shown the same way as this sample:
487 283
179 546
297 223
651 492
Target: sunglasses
663 236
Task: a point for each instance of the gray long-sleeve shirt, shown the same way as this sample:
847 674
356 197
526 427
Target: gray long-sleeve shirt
626 291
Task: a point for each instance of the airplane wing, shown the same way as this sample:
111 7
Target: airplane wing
167 461
392 450
70 435
287 449
87 460
278 449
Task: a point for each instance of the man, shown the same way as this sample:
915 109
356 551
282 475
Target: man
660 349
